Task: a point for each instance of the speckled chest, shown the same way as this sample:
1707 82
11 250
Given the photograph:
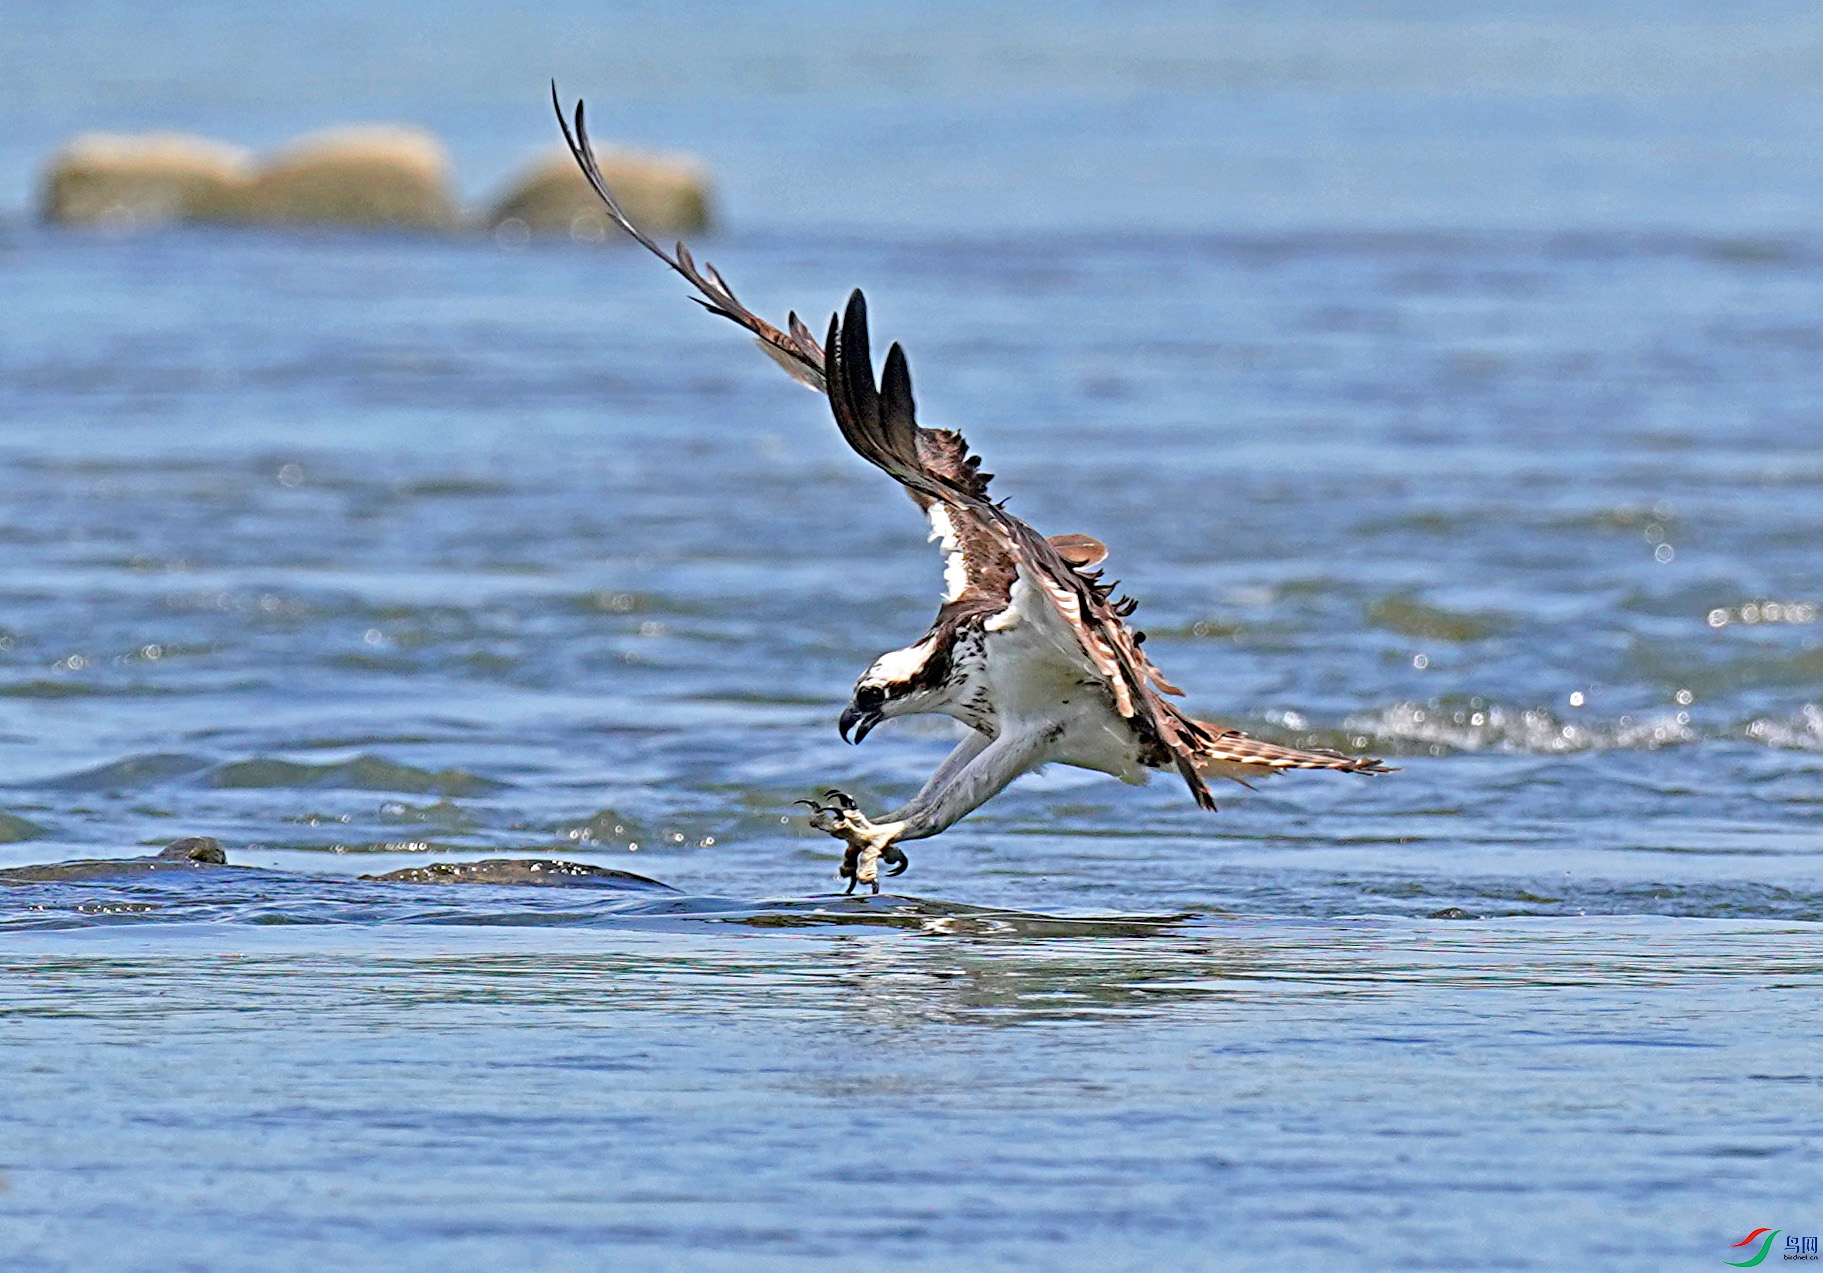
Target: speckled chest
967 691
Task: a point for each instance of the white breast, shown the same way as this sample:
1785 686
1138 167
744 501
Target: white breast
1041 678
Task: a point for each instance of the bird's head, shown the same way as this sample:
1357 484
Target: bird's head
902 683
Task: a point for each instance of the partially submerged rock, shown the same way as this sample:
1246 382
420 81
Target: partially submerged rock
663 194
127 181
201 852
369 176
190 853
205 849
547 871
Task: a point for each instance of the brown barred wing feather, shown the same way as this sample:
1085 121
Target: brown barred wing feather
793 349
1232 754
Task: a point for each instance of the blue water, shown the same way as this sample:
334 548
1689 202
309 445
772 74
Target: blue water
1448 390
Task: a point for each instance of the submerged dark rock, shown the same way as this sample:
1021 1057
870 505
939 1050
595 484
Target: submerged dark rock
547 871
195 848
190 853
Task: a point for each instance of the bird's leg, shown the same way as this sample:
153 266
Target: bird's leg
868 842
979 769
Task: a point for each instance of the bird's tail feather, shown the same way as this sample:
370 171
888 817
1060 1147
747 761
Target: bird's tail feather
1232 754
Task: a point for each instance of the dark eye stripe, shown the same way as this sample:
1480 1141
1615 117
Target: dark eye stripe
934 673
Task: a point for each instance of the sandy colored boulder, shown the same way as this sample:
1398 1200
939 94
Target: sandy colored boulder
369 176
365 177
663 194
125 181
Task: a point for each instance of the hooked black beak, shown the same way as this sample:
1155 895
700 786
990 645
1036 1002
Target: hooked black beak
859 720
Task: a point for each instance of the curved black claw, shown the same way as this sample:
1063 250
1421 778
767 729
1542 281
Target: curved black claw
848 870
840 799
894 856
827 818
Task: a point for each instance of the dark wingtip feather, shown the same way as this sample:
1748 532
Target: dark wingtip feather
897 369
834 360
850 400
898 411
857 365
1194 780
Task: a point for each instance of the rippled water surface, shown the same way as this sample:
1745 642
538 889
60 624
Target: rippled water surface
361 555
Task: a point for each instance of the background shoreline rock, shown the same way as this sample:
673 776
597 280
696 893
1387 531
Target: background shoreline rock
126 181
663 194
365 176
361 177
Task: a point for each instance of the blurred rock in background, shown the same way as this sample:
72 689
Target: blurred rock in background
372 176
663 194
124 181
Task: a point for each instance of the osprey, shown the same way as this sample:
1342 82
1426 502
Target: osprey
1029 649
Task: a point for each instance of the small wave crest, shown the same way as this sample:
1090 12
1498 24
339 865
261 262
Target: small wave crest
1441 728
365 772
1407 728
1802 731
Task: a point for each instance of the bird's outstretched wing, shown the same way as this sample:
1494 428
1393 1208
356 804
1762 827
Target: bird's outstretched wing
977 572
794 348
976 569
987 549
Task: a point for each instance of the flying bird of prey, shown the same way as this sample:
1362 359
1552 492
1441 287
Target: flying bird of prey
1030 649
